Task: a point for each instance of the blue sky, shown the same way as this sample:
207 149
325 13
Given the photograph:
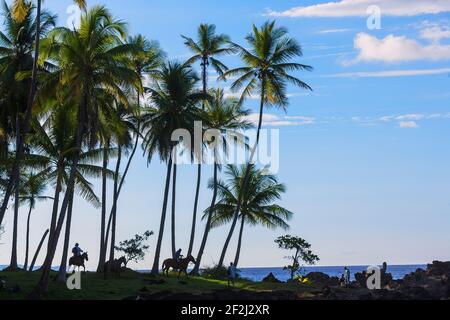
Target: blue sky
366 161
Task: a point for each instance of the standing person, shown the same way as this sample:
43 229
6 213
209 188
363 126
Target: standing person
347 275
231 272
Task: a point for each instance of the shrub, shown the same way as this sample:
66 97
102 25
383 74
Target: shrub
217 273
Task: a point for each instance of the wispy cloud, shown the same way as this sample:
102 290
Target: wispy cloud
333 31
272 120
358 8
390 73
408 124
404 121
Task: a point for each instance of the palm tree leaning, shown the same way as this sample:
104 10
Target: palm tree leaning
257 208
32 192
220 116
174 98
266 71
20 10
90 62
54 143
206 48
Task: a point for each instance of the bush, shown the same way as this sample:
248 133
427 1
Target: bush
217 273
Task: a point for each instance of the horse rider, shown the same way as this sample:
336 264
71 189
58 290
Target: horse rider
77 250
178 255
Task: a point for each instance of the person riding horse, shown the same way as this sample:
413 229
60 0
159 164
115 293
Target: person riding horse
77 250
178 255
180 265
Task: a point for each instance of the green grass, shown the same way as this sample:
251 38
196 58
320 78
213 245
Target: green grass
95 287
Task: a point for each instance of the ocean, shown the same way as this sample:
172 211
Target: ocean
257 274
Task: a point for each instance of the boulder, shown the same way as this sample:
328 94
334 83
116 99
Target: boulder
271 278
318 277
438 268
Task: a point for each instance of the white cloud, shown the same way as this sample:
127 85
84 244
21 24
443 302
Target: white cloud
352 8
435 33
332 31
396 49
412 116
272 120
408 124
390 73
410 120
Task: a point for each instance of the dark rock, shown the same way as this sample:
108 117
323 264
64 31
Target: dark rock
318 277
271 278
438 268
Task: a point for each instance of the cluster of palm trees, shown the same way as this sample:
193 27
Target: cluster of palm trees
72 99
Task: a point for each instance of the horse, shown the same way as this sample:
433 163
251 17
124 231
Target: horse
78 261
114 266
181 265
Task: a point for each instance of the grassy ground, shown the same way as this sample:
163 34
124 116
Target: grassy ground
94 287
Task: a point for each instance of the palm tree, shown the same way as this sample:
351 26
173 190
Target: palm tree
174 100
90 64
147 59
16 61
54 143
266 71
257 208
221 114
32 192
21 9
110 126
205 49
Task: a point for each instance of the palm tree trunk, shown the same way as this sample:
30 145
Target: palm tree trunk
13 262
27 245
42 285
238 251
196 269
114 212
63 265
14 177
194 214
55 202
199 174
174 184
155 267
102 257
247 172
127 167
36 254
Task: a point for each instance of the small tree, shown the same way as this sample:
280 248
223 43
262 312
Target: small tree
303 253
134 249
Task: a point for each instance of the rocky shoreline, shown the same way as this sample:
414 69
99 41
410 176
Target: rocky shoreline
430 284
